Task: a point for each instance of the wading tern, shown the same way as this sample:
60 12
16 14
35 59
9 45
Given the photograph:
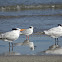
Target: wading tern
10 36
27 32
55 32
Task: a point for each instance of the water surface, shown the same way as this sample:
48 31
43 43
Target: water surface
40 19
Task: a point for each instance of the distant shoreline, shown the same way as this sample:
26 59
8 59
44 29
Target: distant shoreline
30 7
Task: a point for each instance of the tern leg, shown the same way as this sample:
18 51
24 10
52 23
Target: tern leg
9 46
57 41
12 46
26 37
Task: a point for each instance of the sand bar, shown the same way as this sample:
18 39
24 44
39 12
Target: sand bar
31 58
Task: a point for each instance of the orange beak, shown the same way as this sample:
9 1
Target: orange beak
22 29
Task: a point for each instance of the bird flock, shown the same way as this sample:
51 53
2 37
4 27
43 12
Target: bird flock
14 34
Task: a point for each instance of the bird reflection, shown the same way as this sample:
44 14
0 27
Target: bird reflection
54 49
26 43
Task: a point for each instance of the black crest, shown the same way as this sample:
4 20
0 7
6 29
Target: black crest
14 28
59 25
30 27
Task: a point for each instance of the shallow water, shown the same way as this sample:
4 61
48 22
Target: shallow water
40 19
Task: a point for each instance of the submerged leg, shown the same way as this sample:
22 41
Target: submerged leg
12 46
9 46
55 41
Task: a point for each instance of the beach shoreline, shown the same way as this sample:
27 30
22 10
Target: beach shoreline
31 58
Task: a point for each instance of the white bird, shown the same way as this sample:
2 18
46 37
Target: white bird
27 32
10 36
55 32
26 43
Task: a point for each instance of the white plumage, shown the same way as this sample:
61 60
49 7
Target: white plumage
55 32
10 36
27 32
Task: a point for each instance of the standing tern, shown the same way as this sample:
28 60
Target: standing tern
55 32
10 36
27 32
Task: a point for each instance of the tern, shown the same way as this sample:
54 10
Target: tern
27 32
55 32
10 36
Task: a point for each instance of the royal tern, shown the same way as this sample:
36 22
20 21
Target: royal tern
27 32
55 32
26 43
10 36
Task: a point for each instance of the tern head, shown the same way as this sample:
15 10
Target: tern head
16 29
59 24
31 27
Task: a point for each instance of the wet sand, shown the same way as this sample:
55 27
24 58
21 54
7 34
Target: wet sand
31 58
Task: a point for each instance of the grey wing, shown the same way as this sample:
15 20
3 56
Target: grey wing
25 32
8 36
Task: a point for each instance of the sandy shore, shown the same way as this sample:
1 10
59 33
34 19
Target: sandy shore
31 58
